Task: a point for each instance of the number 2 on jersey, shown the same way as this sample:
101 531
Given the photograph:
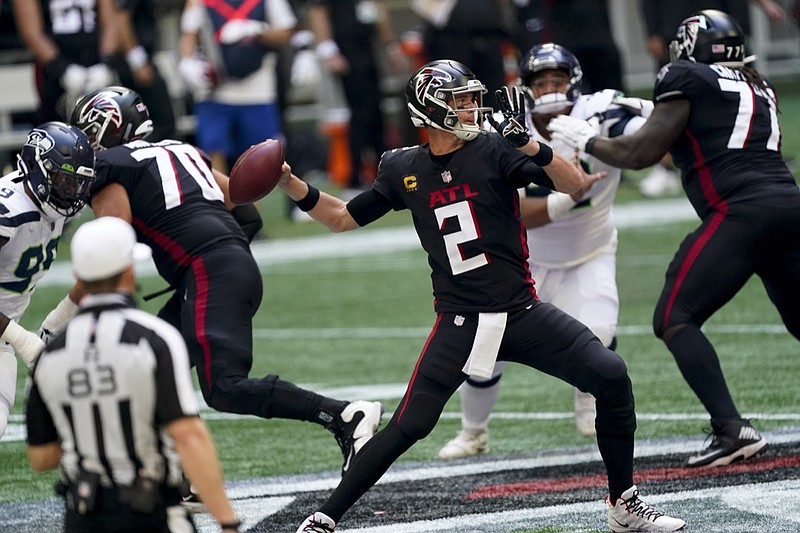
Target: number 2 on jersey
453 241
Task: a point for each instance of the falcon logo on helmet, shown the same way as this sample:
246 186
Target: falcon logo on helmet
428 81
112 116
711 37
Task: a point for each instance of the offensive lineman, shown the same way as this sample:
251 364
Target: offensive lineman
572 238
461 189
180 208
719 118
55 171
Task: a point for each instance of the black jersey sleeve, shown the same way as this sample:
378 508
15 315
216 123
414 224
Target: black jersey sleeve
675 81
368 207
40 427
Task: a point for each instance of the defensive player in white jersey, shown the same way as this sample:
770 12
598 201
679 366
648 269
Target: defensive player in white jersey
55 171
572 238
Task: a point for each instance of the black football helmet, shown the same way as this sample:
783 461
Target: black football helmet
429 93
112 116
57 162
710 37
551 56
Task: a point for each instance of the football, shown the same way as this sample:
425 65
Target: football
256 172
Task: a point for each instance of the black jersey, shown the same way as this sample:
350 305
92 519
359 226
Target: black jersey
466 214
178 208
730 149
73 25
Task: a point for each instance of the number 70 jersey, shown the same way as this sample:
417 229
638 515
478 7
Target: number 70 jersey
178 209
31 247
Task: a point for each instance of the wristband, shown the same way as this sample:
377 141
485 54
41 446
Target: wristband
136 57
558 205
231 525
544 156
589 145
327 49
309 201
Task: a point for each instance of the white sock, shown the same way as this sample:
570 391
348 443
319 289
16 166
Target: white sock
477 402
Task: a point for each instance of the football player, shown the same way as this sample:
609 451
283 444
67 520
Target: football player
180 208
572 238
719 118
55 171
461 189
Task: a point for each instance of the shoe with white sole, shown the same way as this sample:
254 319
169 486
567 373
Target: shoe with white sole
732 442
317 523
356 424
630 513
585 413
660 182
466 444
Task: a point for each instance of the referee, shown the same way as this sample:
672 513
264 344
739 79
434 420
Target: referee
112 401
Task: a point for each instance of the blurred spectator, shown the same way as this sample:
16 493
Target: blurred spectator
582 26
136 23
347 32
662 17
71 42
229 60
472 32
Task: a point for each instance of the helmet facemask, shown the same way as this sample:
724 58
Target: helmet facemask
551 57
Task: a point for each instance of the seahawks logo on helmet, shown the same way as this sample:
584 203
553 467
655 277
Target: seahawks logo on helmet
41 140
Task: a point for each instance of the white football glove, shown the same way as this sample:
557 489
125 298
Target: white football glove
238 30
197 74
56 320
74 79
26 344
573 131
305 68
97 77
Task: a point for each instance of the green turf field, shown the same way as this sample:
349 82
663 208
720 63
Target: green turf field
361 321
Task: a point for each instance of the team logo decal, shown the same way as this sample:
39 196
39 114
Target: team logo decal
459 320
428 79
447 177
100 108
40 139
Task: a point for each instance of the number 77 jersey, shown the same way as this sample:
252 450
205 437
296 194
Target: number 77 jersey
732 138
178 209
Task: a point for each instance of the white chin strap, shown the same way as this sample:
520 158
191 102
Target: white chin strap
550 103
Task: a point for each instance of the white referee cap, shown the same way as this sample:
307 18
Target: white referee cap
104 247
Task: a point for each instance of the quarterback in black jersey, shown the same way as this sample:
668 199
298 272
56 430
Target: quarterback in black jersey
461 190
719 118
179 207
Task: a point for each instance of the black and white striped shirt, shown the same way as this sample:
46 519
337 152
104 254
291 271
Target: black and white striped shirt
107 387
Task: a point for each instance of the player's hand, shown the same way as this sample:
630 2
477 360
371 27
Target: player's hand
74 79
197 74
97 77
511 102
242 30
26 344
573 131
305 68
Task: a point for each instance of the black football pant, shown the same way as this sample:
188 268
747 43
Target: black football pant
213 307
541 337
711 266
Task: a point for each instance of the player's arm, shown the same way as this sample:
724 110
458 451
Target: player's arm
321 206
44 448
30 23
641 149
540 210
246 215
112 200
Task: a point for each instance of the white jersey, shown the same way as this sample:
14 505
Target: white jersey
588 228
31 247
